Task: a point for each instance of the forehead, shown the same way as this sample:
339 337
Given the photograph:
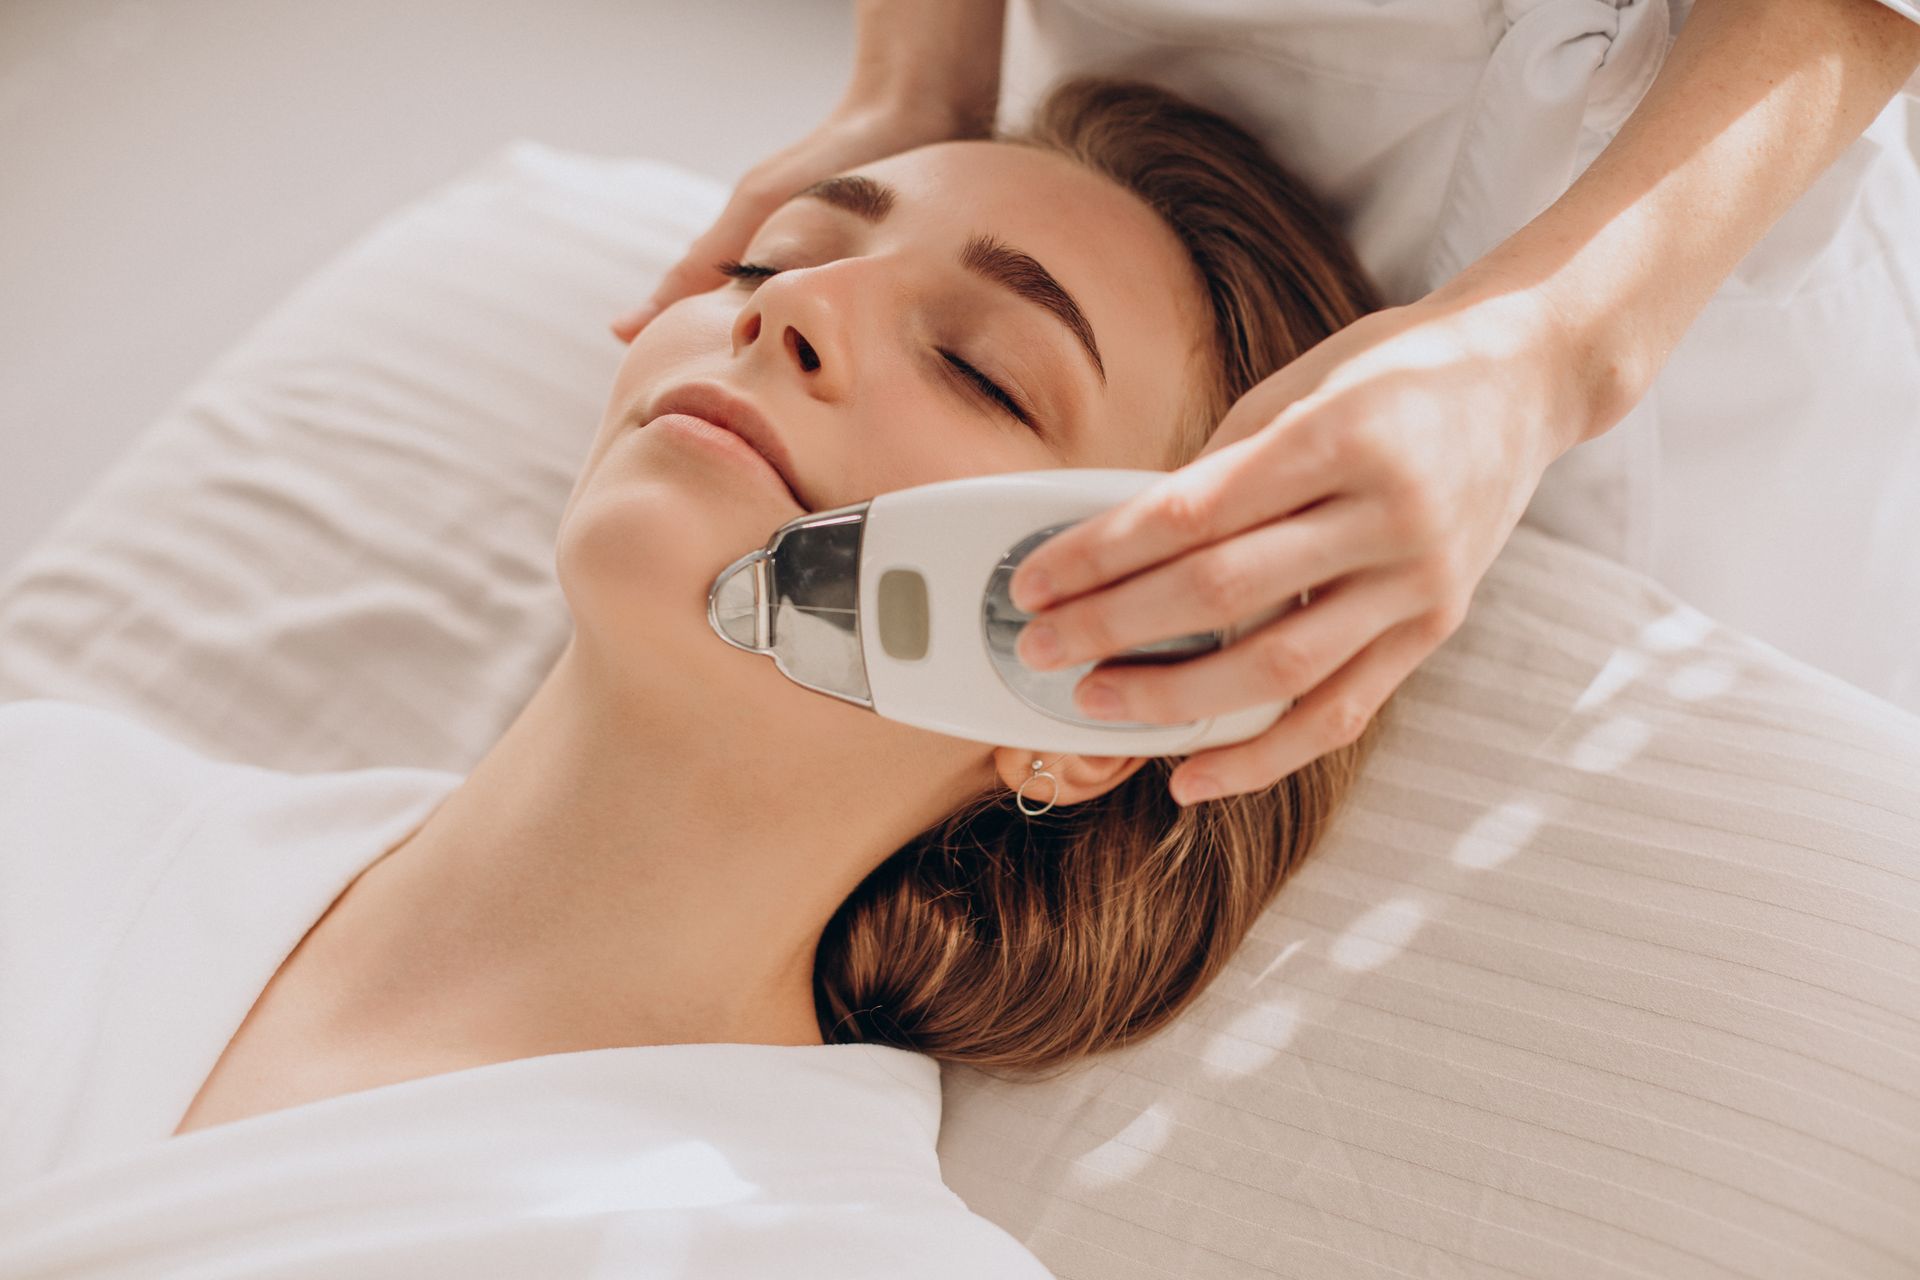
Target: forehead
1131 276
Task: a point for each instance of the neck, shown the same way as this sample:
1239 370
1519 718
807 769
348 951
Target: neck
626 868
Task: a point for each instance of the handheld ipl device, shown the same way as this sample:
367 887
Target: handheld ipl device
899 604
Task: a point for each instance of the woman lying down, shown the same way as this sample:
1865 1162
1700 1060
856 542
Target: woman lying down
663 986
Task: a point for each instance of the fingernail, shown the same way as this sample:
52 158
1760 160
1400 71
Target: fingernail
1033 593
1101 700
1194 790
1039 645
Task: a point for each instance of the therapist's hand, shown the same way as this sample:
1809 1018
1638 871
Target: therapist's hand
1384 469
853 134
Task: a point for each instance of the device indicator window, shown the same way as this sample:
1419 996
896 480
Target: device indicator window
903 615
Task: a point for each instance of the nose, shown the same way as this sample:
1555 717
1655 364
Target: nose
797 321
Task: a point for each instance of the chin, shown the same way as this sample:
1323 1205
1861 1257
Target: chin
635 561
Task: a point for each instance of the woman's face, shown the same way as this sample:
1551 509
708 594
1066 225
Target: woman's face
853 355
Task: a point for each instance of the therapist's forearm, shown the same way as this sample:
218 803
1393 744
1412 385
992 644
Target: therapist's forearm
1756 99
930 56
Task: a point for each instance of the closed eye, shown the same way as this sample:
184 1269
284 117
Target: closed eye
966 376
981 383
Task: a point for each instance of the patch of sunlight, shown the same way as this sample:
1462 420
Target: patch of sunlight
1684 628
1498 834
1378 934
1246 1043
1610 744
1622 666
1704 679
689 1175
1127 1153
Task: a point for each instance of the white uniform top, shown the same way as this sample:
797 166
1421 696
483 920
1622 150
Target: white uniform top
1770 475
147 894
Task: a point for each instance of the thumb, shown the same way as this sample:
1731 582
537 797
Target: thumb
628 327
1285 393
693 274
1242 420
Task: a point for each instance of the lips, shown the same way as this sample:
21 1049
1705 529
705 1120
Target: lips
728 411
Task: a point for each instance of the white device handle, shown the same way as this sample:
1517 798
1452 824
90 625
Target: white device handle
953 536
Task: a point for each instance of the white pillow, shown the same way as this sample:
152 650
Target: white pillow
1608 969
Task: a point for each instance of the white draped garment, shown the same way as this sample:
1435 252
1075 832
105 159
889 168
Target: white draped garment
148 894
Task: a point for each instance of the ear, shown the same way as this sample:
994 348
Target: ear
1079 777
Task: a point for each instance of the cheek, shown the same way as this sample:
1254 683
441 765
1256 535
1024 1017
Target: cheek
667 351
693 329
929 431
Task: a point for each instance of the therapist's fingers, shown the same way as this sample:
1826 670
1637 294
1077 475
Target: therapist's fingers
1213 587
1254 480
1332 715
1285 658
697 271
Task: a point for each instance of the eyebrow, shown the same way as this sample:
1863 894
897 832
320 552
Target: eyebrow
871 200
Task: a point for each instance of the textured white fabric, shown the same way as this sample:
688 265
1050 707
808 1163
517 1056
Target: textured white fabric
1768 475
146 897
1609 969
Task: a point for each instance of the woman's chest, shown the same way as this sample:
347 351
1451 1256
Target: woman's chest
279 1059
299 1043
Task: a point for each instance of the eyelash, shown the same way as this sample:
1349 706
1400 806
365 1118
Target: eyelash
976 381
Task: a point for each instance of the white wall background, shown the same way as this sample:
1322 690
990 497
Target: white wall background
169 169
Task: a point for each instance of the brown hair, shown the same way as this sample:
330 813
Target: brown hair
1026 944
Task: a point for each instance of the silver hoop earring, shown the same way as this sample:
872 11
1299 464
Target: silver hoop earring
1020 796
